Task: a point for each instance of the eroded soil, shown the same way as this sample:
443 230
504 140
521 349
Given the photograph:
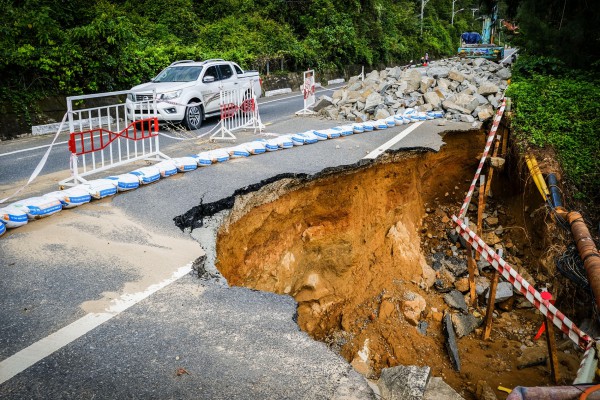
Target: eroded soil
351 245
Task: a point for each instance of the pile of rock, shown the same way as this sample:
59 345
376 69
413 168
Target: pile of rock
466 89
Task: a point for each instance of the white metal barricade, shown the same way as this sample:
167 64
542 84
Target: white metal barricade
239 110
107 136
308 92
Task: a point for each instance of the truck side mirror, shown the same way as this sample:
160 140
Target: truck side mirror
208 79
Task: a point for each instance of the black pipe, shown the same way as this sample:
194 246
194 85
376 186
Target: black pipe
554 190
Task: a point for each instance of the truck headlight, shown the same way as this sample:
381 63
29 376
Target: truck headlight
170 95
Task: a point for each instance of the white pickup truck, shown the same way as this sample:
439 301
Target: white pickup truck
188 91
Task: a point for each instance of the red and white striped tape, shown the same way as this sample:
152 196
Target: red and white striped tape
488 145
567 326
581 370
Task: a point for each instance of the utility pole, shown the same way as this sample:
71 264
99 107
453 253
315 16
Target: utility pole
454 12
423 4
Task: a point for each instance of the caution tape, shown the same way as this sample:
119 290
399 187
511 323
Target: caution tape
40 165
488 145
567 326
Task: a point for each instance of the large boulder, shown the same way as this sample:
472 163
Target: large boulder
381 113
487 89
438 72
466 101
451 106
426 83
456 76
432 98
413 80
504 73
404 382
372 101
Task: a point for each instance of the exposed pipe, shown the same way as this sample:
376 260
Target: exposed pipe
554 190
536 174
550 393
586 248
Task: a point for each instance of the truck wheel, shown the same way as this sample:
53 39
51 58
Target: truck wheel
194 115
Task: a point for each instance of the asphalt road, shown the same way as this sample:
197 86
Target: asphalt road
99 301
18 158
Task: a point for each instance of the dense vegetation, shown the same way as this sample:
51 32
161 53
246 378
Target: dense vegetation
558 107
71 47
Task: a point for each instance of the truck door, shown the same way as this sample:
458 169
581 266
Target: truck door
228 77
211 88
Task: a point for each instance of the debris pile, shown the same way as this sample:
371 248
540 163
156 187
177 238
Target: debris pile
468 90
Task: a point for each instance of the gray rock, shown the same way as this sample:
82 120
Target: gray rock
478 61
373 100
485 113
331 112
455 299
437 389
381 113
504 291
482 100
466 101
451 345
323 102
422 327
413 79
455 75
432 98
372 76
487 89
467 118
426 83
465 324
449 105
504 73
355 86
403 382
438 72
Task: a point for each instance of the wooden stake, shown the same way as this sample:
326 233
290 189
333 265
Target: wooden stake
471 265
491 302
491 171
505 140
480 209
551 341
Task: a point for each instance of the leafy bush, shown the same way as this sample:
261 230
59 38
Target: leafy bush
562 111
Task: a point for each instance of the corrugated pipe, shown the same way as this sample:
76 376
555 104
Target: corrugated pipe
554 190
551 393
586 248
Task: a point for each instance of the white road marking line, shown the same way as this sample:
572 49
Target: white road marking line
378 151
43 348
31 148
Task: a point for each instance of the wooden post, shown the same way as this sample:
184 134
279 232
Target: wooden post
505 141
491 171
491 301
480 209
551 340
471 265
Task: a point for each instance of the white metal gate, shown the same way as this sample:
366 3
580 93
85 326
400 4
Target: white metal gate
106 136
239 110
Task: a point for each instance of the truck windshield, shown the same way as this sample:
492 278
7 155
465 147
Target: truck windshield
179 74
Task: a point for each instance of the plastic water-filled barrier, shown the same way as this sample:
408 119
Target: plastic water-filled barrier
390 121
238 151
398 120
218 155
345 130
2 229
369 126
125 182
255 147
436 114
271 145
185 164
13 217
284 141
325 134
99 188
147 175
38 207
166 168
71 197
298 139
380 124
358 128
309 137
203 159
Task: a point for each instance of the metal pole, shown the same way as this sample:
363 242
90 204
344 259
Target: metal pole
423 4
452 21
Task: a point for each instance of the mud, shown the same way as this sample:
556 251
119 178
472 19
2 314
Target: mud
349 245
